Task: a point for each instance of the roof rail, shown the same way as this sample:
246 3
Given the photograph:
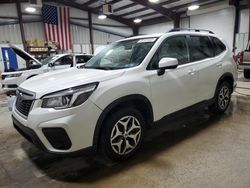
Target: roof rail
190 29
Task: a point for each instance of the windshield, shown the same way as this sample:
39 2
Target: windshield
124 54
48 60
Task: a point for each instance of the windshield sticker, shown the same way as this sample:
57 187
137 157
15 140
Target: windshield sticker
146 40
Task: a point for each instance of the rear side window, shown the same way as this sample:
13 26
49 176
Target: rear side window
200 48
219 47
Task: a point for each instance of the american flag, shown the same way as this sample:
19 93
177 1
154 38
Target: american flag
57 25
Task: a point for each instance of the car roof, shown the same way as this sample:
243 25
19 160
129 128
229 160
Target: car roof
185 32
75 54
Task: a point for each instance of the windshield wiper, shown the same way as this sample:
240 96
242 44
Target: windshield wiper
101 68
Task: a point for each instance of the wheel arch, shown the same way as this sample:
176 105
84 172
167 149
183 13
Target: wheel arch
228 77
140 102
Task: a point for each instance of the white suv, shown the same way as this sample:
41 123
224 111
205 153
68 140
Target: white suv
123 90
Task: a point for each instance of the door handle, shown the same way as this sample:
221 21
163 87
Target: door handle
219 65
191 72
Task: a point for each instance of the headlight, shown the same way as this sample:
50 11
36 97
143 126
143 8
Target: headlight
69 98
13 75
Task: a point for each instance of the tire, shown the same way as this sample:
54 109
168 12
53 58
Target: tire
247 73
222 98
118 144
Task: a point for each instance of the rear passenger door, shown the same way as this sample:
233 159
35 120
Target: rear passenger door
208 65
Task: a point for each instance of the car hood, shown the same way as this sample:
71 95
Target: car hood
67 78
26 56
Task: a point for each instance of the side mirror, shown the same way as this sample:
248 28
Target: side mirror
33 65
50 65
167 63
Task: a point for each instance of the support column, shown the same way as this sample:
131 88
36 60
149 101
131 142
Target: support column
90 32
20 19
177 21
135 30
236 21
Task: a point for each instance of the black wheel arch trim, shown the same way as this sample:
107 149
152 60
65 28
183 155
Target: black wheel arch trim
228 74
116 103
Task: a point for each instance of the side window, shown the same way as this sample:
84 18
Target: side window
200 48
219 47
80 59
87 58
64 61
175 47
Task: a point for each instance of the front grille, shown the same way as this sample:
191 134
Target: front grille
23 106
12 86
24 103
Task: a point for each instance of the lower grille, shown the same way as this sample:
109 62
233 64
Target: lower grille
57 137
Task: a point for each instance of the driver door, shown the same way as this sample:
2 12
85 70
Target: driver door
64 62
177 88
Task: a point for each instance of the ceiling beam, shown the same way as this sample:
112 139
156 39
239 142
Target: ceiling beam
161 18
158 8
146 8
125 7
89 2
180 6
84 8
110 2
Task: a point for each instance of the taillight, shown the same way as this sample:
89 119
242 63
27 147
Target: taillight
241 58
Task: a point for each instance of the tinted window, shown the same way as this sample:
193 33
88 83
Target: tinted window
87 57
219 47
201 48
175 47
80 59
65 61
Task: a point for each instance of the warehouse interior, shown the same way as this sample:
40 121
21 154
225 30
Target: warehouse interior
196 149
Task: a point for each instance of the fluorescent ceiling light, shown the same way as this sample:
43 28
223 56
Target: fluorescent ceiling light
193 7
153 1
30 9
137 20
102 16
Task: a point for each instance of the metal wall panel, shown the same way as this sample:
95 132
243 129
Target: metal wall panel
10 33
34 30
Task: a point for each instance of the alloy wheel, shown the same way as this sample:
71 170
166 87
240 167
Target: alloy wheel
224 97
125 135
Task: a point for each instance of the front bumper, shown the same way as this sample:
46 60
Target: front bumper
59 131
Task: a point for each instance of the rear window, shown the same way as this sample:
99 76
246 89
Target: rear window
200 48
219 47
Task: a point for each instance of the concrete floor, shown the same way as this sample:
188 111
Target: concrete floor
199 150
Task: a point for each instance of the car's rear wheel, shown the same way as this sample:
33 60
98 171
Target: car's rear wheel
247 73
222 98
122 134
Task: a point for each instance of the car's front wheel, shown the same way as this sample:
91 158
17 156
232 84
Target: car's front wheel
222 98
122 134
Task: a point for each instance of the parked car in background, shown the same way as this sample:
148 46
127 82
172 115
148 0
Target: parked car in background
244 61
109 102
11 80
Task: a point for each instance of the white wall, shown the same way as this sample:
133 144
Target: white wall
242 36
157 28
220 22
